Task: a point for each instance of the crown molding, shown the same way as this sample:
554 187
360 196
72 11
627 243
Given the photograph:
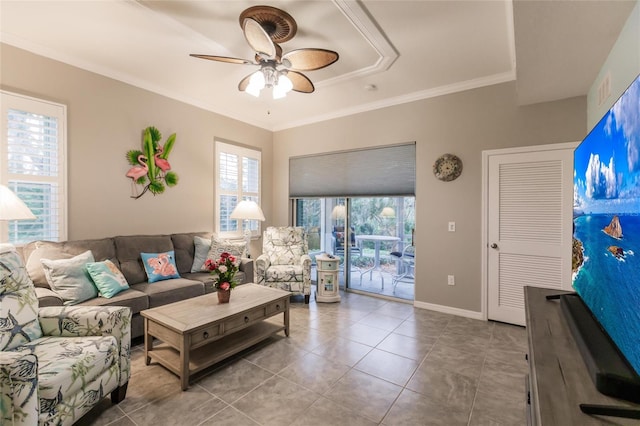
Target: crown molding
355 12
402 99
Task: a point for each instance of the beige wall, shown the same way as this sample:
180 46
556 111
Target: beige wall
622 66
464 124
105 120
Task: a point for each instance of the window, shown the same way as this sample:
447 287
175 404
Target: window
237 178
32 164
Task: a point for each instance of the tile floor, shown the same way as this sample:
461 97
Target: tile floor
363 361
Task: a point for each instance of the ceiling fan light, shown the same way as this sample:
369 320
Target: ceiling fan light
252 90
284 83
257 80
256 84
278 93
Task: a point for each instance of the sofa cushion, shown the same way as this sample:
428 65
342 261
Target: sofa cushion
128 249
284 245
202 246
160 266
237 248
102 249
47 297
107 278
183 246
133 299
19 308
284 273
60 359
169 291
34 264
69 278
205 278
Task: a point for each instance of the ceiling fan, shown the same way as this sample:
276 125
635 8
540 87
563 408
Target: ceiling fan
264 27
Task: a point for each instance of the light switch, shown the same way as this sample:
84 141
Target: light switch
452 227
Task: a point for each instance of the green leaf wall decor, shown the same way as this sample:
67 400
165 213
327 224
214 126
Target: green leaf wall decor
151 168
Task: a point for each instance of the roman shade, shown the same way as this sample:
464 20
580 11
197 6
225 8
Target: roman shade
380 171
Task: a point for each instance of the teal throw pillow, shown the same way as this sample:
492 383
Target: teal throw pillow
108 278
201 251
69 278
160 266
19 305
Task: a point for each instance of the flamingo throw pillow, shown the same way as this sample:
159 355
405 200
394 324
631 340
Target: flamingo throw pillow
160 266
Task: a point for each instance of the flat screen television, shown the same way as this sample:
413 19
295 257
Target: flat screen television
606 242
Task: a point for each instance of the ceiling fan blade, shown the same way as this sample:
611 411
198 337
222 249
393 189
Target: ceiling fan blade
300 82
242 86
310 59
224 59
258 38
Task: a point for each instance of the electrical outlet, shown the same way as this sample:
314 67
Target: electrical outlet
451 280
452 227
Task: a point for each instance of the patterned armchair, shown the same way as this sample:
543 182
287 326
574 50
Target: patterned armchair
285 262
56 363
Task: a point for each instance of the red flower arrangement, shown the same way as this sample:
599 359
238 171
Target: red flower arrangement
225 268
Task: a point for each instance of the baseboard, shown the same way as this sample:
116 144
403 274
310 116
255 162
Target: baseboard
449 310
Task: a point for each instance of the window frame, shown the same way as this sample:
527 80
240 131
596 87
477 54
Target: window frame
227 147
11 100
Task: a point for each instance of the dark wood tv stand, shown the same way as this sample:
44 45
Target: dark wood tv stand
558 380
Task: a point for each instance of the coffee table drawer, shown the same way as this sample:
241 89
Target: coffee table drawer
258 314
203 335
275 307
243 320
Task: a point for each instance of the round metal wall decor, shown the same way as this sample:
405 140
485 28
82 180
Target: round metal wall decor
447 167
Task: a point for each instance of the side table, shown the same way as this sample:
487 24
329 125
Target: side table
327 286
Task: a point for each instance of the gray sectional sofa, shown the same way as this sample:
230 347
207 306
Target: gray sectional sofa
124 252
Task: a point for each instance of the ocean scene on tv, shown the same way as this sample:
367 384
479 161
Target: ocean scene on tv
606 239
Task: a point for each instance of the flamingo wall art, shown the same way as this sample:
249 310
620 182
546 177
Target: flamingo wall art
150 166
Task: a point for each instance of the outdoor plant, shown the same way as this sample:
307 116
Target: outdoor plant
225 268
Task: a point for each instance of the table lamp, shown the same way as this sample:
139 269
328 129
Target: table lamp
12 207
247 210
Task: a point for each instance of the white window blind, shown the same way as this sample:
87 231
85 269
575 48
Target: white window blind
237 178
371 172
32 164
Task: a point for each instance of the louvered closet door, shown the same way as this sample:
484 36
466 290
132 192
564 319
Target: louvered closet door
530 228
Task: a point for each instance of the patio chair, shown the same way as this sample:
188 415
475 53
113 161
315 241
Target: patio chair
338 236
407 265
285 262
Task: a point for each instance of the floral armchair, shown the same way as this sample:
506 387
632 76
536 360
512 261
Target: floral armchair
56 363
285 262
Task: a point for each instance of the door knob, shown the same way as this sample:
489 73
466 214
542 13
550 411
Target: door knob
494 246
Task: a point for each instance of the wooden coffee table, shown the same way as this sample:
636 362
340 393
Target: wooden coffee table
199 332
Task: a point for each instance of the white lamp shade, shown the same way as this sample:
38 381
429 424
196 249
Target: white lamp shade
256 83
283 87
388 212
248 210
12 207
285 84
339 212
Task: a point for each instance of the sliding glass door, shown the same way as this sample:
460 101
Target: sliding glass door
370 236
